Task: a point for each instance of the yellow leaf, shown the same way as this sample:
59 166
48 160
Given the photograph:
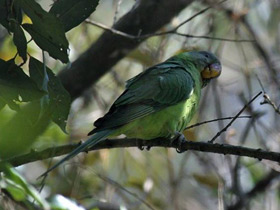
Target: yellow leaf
209 180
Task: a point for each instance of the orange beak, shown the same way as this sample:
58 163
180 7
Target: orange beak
212 71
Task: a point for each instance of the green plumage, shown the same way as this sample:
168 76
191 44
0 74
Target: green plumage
158 102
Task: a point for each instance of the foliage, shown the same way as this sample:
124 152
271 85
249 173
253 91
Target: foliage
35 93
41 87
15 186
130 178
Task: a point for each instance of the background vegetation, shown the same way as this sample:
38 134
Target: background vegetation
87 67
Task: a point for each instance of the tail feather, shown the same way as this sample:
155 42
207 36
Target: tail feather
93 140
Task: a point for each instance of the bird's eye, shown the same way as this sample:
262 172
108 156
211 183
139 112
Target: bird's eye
206 56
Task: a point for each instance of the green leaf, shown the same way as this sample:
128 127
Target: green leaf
72 12
19 188
22 129
38 72
16 191
8 12
59 98
4 11
20 40
45 42
46 30
15 85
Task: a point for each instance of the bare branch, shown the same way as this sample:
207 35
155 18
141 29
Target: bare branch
160 142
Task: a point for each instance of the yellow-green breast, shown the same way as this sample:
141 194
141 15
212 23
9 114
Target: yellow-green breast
165 122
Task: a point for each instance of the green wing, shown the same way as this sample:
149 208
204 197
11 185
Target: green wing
158 87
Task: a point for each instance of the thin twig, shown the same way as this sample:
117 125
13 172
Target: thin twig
114 31
213 38
195 15
214 120
260 82
257 44
267 99
172 31
236 116
129 36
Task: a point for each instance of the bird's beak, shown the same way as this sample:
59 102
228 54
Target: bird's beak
212 71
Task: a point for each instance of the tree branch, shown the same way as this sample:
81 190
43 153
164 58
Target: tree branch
160 142
171 31
146 18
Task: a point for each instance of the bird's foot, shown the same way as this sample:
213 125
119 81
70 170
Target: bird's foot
140 145
148 148
179 138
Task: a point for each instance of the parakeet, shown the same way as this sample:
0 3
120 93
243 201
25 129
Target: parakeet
158 102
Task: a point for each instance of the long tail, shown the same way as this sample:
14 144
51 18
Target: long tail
93 140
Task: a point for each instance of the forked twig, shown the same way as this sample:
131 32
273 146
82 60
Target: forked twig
235 117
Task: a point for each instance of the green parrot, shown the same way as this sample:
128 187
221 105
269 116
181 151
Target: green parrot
158 102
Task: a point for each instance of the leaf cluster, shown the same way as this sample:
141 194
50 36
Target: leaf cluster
48 30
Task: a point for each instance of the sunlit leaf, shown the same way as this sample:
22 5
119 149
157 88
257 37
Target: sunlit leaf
22 129
8 49
71 12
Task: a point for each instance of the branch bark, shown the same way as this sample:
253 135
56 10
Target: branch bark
160 142
146 18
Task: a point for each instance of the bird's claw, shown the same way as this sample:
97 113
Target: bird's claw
180 138
179 150
140 144
141 147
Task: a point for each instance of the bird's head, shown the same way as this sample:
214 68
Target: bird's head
206 63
